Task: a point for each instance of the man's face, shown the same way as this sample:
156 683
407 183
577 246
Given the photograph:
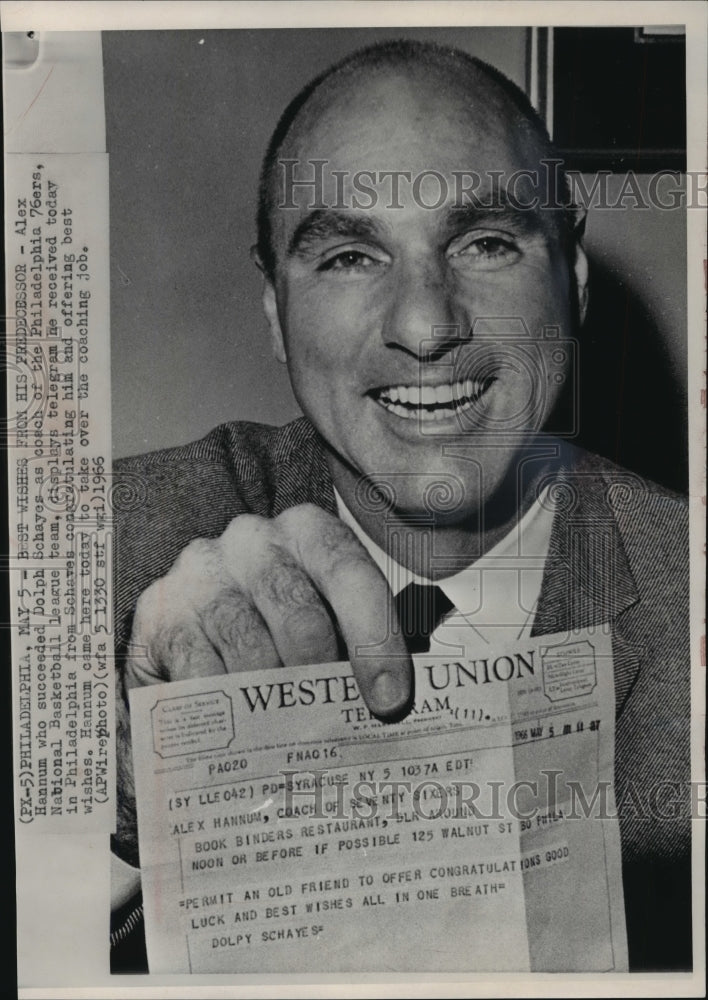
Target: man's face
411 329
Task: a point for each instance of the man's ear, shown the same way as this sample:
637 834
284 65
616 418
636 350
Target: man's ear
580 264
270 308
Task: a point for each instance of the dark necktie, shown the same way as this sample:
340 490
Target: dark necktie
420 610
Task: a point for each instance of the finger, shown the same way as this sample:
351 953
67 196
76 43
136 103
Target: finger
361 599
238 632
168 642
299 624
179 651
184 651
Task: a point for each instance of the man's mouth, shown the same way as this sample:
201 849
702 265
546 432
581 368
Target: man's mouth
429 402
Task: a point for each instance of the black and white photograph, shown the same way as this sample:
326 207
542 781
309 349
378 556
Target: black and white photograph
355 433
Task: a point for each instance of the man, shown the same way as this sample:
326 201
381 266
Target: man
422 270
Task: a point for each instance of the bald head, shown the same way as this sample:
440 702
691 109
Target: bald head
402 84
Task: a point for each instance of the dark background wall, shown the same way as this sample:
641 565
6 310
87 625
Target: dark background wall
188 115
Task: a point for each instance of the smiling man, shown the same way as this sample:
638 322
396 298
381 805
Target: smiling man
375 308
424 282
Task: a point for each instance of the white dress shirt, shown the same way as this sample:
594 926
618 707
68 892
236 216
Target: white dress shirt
496 595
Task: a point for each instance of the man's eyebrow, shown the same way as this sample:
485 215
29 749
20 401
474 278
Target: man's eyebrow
491 210
323 224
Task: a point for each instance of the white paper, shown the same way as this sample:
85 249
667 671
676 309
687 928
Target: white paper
60 491
55 106
447 842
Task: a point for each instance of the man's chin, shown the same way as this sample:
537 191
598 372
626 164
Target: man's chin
449 478
444 493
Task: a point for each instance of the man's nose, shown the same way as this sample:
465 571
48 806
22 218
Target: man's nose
421 307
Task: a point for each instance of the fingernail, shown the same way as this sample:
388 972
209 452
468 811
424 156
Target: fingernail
390 691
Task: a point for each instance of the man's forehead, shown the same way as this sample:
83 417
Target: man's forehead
408 122
404 84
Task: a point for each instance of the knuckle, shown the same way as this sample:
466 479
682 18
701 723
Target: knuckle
152 605
345 557
160 612
335 544
299 514
335 536
200 552
308 625
305 517
245 528
281 582
174 643
235 623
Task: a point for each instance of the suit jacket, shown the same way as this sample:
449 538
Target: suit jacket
618 553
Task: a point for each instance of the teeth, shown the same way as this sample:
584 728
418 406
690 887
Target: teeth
446 399
467 389
443 394
401 411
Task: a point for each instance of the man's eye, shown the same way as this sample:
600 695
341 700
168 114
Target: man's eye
349 260
489 252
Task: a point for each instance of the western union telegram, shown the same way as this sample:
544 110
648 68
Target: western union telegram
283 828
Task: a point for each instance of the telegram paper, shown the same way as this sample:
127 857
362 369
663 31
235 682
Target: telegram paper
284 829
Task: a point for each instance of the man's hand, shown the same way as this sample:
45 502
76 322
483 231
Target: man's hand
267 593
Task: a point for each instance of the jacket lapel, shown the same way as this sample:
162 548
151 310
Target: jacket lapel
302 475
587 579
